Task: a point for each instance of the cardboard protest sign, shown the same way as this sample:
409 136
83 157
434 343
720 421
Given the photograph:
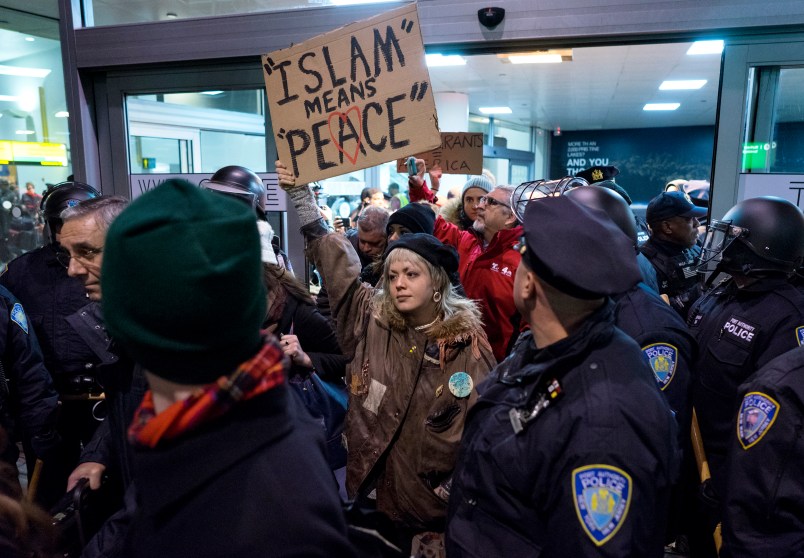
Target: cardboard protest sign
459 153
352 98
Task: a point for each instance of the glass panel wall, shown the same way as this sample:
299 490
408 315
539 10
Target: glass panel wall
776 134
34 139
196 132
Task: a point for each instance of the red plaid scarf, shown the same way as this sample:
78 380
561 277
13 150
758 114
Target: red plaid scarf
251 378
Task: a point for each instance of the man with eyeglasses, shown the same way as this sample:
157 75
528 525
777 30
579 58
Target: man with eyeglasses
82 237
488 261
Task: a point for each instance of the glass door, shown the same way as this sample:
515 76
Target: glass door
760 152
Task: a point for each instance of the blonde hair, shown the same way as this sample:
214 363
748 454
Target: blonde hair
451 303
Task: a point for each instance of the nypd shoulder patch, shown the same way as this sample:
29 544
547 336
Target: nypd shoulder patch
758 412
663 360
18 317
800 335
602 495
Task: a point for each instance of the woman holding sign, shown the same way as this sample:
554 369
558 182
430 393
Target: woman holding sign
418 352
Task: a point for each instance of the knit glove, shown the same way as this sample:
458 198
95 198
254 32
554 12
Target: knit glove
301 196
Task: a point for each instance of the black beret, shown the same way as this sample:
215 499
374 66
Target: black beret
429 248
577 250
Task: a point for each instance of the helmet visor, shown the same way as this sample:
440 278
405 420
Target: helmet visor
248 197
719 236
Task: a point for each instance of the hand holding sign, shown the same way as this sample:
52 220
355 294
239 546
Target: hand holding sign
352 98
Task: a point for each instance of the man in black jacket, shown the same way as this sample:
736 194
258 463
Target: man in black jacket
28 402
672 248
763 512
744 322
571 449
39 279
226 462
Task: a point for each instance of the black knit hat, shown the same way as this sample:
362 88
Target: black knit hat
429 248
182 283
416 217
595 260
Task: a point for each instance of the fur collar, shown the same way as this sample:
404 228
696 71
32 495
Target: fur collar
462 329
451 211
455 329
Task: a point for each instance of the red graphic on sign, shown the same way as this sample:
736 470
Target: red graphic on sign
344 118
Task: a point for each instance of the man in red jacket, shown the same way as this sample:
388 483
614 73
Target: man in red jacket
488 260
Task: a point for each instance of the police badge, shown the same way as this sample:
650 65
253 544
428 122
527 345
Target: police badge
18 317
602 495
663 360
800 335
758 412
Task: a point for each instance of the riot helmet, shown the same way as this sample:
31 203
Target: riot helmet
756 237
610 203
537 189
59 197
241 183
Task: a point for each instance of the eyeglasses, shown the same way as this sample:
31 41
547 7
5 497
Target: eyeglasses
489 201
84 256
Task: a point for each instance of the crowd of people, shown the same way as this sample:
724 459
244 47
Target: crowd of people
520 371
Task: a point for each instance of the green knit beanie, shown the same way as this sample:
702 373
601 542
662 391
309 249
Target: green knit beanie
182 283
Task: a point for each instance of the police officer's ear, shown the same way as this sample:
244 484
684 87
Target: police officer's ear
528 286
666 227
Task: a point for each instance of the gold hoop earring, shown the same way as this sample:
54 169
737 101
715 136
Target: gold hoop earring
437 296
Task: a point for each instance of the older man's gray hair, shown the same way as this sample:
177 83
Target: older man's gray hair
373 218
104 209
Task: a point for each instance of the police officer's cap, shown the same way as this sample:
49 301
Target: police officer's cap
672 204
598 173
577 250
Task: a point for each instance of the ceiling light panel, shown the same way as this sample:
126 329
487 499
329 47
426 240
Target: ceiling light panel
21 71
440 60
661 106
706 47
495 110
682 84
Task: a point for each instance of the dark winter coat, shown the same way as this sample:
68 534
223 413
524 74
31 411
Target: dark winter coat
590 475
763 507
254 483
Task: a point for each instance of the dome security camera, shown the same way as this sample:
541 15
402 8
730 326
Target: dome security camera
490 17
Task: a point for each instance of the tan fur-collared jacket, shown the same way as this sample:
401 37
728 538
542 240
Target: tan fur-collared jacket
404 423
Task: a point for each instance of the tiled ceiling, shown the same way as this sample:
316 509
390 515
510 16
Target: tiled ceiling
601 88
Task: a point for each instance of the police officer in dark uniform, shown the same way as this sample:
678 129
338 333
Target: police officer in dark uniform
28 402
672 247
556 458
748 320
763 513
603 176
662 335
49 295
